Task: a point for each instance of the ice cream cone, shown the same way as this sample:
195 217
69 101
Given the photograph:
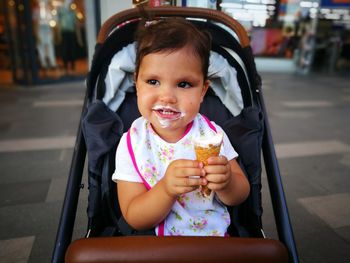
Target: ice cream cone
206 148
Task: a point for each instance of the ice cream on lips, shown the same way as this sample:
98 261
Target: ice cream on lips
167 114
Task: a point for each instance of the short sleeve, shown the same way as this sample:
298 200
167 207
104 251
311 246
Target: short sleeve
124 168
227 149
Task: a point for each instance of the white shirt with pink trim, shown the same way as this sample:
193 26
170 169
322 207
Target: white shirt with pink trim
144 158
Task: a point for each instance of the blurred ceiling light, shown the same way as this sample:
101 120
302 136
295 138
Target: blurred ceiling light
272 2
230 5
80 15
52 23
56 3
305 4
253 1
325 11
313 10
255 7
289 18
332 16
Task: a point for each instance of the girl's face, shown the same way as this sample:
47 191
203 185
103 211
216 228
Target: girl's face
170 87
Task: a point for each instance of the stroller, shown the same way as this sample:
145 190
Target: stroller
110 108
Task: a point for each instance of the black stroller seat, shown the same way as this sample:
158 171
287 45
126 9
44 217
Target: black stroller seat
105 119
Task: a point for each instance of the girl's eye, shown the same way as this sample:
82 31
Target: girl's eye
153 82
184 85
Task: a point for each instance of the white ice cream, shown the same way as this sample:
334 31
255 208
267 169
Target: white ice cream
206 142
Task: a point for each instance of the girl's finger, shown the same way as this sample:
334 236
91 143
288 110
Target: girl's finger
216 169
216 178
190 181
187 163
187 172
217 160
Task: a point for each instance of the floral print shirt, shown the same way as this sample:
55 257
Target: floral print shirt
146 158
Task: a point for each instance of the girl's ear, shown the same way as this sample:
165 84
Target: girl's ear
205 88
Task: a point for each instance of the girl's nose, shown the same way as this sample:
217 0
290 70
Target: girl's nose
167 95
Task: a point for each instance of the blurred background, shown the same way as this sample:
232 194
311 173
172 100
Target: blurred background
47 41
302 51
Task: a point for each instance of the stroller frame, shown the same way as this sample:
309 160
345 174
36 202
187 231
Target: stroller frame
283 224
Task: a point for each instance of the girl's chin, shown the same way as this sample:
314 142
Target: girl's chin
167 121
165 126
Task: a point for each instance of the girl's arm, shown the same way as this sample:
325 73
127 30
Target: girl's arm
227 180
144 209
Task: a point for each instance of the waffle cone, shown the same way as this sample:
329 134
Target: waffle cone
202 154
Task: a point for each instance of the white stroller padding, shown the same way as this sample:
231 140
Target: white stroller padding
119 80
223 78
120 77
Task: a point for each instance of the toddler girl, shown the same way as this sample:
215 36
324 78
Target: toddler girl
158 178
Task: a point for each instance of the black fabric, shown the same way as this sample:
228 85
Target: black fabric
253 75
245 132
126 230
102 130
214 109
110 204
128 110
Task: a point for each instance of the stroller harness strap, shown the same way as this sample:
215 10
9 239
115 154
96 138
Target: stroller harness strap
149 174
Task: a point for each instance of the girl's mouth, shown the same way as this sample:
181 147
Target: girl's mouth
166 115
166 112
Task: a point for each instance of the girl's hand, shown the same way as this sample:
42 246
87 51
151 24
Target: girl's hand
183 176
218 173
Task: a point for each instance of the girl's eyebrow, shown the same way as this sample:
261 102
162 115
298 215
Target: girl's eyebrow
189 78
149 75
185 77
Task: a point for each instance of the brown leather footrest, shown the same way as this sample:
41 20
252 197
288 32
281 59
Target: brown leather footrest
176 249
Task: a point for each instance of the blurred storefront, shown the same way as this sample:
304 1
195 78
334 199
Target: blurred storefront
303 35
42 41
45 41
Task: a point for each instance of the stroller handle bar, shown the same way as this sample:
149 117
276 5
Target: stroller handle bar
193 12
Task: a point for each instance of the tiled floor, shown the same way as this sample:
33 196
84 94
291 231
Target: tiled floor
328 208
309 117
37 135
310 126
310 148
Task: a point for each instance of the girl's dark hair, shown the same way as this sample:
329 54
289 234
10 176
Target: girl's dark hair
171 34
